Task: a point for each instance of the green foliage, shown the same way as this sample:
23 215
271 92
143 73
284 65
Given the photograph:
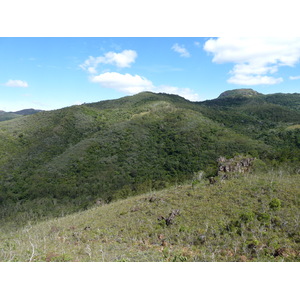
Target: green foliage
263 117
4 116
247 217
260 166
275 204
263 217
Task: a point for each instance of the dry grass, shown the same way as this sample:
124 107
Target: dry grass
230 221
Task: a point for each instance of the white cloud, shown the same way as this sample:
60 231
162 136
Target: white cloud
249 69
92 70
254 58
294 77
186 93
123 59
181 50
133 84
16 83
253 79
126 83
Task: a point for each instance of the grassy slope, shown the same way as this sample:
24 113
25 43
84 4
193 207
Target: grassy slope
250 218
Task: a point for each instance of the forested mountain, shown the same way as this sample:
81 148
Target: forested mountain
11 115
273 119
7 116
64 160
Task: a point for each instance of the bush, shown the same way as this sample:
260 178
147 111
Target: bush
247 217
275 204
259 166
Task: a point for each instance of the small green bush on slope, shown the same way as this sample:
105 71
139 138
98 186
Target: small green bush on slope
248 218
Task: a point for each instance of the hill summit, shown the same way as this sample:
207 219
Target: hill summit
239 92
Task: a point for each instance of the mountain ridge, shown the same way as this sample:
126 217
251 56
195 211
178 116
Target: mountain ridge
4 116
243 93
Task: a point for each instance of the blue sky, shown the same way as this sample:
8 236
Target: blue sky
51 73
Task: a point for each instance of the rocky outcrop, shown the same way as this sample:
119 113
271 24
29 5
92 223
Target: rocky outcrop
237 164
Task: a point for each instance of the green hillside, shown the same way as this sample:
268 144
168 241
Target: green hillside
4 116
265 118
109 150
66 161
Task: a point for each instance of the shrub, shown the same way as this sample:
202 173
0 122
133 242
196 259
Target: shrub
247 217
275 204
264 218
259 166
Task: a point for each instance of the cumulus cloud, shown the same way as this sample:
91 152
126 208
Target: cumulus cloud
122 59
181 50
126 83
133 84
16 83
253 79
254 59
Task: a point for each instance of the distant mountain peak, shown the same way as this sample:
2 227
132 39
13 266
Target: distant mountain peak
239 92
4 116
25 112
